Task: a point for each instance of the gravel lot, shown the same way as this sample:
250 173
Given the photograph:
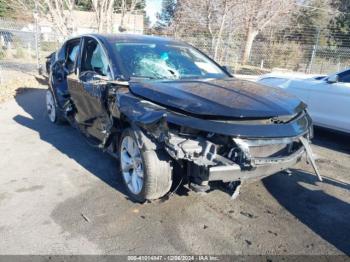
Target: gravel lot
58 195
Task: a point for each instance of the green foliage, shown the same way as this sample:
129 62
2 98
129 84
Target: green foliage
311 18
340 24
83 5
2 53
141 5
4 8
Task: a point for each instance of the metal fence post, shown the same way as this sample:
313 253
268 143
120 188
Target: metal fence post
37 36
1 76
314 50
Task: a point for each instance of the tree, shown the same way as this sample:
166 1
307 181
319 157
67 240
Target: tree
167 13
60 11
340 25
258 14
103 10
5 9
128 6
84 5
222 22
307 22
205 23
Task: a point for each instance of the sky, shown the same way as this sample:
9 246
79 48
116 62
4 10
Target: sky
152 8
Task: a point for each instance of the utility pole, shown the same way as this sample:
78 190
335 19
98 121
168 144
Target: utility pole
314 50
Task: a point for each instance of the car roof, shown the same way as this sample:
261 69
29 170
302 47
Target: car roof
135 38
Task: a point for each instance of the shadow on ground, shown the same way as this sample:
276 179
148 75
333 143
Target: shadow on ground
323 213
332 140
66 139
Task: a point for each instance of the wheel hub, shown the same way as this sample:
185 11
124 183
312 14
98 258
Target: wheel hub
131 164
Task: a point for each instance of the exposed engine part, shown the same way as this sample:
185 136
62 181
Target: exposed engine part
200 151
213 158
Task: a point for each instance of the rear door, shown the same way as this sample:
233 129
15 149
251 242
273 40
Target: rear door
88 89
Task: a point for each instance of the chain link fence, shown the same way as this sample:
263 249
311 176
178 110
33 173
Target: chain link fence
23 48
25 45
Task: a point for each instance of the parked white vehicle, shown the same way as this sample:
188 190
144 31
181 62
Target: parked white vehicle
327 97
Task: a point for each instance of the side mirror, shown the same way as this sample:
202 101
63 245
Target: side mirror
333 79
226 69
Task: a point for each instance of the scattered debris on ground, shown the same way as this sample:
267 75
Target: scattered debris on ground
85 217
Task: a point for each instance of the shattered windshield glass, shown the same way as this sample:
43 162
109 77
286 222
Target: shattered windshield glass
163 61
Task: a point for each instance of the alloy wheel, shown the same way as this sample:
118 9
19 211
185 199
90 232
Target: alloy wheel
50 106
131 164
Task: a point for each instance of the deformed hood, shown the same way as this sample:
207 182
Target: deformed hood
219 98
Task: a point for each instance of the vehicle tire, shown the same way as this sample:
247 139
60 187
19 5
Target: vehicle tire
147 174
53 112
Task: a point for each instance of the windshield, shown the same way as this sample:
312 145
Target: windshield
164 61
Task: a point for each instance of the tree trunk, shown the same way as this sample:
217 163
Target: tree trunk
251 34
110 16
57 16
222 25
123 11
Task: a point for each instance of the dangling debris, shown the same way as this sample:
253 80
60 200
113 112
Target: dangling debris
310 156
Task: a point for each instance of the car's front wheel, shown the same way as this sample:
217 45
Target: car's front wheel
147 174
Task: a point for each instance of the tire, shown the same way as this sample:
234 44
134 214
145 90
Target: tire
156 169
53 112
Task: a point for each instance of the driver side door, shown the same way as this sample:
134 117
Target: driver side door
88 88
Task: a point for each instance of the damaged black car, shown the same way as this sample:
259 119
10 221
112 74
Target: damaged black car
158 105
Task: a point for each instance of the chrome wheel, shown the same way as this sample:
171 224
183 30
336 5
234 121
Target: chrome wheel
131 164
50 106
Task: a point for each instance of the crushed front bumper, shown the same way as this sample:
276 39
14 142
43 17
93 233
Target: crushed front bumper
246 159
262 167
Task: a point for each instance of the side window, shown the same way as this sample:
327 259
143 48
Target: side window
71 54
94 59
344 77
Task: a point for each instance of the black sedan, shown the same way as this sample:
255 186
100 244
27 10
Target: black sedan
161 105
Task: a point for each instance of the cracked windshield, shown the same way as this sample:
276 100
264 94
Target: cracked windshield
161 61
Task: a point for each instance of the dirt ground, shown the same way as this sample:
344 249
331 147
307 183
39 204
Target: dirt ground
15 82
58 195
